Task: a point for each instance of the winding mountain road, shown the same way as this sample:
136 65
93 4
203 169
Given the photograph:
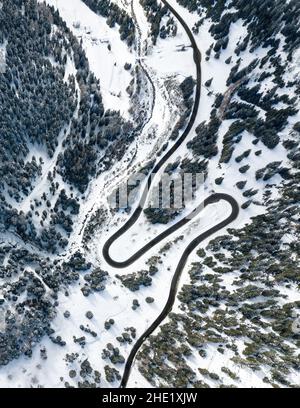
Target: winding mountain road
210 200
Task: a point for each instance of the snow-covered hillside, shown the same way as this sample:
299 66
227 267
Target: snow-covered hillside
72 317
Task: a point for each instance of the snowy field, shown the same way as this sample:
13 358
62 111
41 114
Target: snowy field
164 62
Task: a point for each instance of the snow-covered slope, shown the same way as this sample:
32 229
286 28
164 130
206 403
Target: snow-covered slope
98 312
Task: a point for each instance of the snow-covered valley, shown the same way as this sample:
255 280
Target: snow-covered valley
99 315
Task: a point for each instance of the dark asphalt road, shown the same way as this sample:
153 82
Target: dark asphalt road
132 220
